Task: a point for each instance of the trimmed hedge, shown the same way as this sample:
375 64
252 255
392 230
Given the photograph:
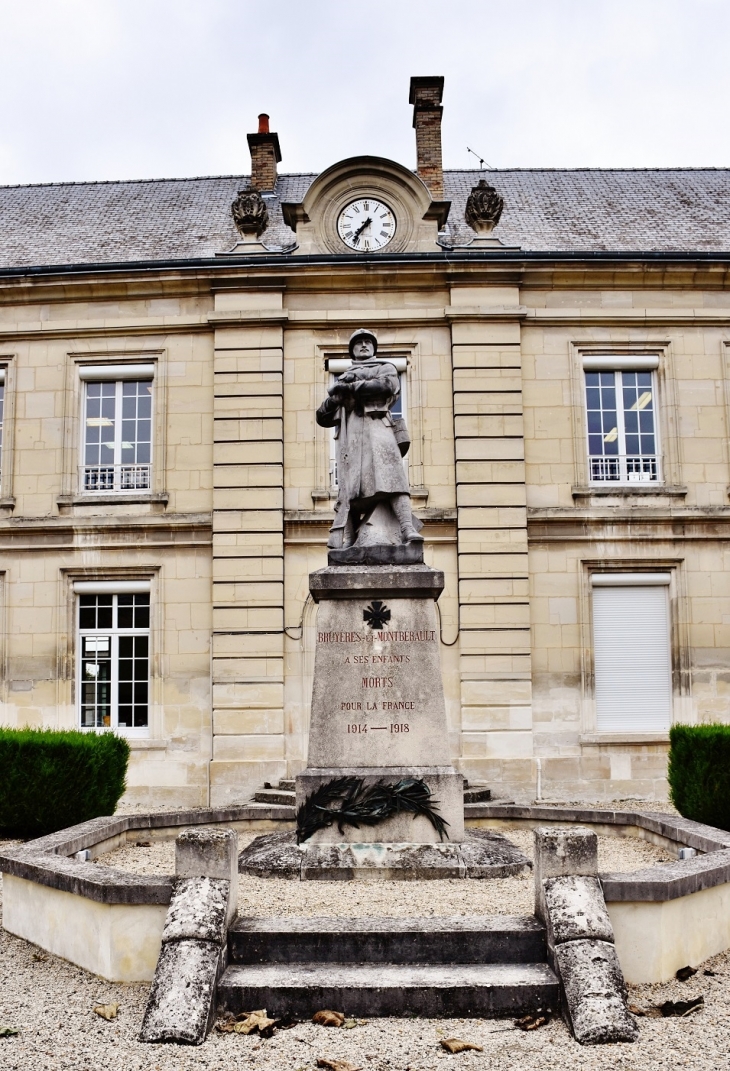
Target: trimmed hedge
699 773
50 780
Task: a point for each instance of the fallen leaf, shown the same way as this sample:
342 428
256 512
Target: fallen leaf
143 844
457 1045
710 974
681 1007
328 1018
336 1065
652 1012
247 1022
107 1011
684 973
8 1031
349 1024
531 1022
39 957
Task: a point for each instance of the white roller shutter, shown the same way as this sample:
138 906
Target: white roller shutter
632 658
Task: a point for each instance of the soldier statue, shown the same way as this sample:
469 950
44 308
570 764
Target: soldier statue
374 503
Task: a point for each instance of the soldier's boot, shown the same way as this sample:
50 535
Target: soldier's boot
404 516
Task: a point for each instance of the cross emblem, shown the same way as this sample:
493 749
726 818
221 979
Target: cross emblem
377 614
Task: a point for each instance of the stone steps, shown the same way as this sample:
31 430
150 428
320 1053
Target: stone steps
275 795
443 939
477 794
476 990
481 966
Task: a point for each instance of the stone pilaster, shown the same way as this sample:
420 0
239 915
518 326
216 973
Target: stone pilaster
494 608
248 563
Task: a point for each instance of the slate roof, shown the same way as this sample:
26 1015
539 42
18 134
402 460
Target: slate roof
682 210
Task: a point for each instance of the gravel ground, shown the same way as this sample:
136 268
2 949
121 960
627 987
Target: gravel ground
51 1002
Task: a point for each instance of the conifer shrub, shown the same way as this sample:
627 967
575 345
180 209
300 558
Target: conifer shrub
699 773
50 780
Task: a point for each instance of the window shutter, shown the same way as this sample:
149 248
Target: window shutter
633 674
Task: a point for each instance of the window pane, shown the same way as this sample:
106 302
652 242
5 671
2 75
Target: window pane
99 423
125 611
638 399
136 423
87 611
104 611
141 611
133 680
601 413
96 665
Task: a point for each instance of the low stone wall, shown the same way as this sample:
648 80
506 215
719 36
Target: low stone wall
663 917
107 921
110 922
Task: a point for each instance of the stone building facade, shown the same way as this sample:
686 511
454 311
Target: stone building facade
165 489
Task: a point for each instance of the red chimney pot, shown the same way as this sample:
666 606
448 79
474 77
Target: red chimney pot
263 123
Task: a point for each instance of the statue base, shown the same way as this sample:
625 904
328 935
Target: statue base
483 854
378 712
382 554
445 784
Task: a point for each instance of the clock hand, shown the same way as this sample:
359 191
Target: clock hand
361 228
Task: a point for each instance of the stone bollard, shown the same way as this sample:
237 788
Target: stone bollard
569 900
202 852
559 852
182 1001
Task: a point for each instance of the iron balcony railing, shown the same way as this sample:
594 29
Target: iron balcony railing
110 479
624 468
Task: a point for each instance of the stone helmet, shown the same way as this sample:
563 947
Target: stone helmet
362 333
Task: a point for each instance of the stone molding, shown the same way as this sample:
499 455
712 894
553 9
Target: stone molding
49 860
46 860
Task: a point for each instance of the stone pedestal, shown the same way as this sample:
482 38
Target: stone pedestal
378 708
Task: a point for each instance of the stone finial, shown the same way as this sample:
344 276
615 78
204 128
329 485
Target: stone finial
250 213
483 208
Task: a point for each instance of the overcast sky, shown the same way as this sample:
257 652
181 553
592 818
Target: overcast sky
107 89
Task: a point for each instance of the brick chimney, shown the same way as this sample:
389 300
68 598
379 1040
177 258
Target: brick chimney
265 155
426 96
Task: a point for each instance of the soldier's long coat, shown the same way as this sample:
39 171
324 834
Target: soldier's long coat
369 463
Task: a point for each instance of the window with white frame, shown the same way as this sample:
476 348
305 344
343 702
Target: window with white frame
621 417
113 659
2 413
117 436
632 652
336 366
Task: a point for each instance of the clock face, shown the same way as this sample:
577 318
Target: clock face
366 225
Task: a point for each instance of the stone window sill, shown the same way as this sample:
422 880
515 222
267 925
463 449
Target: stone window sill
133 498
623 739
628 491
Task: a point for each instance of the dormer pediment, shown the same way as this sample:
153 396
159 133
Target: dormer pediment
415 219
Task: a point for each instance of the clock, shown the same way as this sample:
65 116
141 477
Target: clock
366 225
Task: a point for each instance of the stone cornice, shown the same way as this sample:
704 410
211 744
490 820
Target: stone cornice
628 523
45 533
